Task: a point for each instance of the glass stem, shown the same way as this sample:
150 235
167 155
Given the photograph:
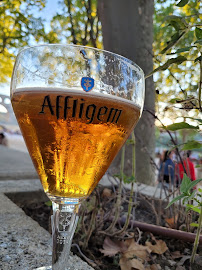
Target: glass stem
64 221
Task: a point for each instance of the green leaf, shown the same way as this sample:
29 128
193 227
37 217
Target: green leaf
175 200
192 145
193 183
196 209
198 58
200 190
181 125
186 181
189 206
193 208
198 33
197 119
182 3
129 180
123 177
177 22
174 39
185 200
174 100
130 141
194 224
181 28
199 41
186 49
177 60
193 194
48 203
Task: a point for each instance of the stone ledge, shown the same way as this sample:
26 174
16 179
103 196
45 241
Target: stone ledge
16 165
17 175
24 245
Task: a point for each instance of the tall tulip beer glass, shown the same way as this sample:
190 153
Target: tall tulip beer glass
76 106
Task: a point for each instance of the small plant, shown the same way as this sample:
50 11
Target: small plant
192 199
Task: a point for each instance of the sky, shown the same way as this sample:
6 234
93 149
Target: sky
47 13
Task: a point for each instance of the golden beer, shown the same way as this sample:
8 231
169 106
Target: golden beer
72 136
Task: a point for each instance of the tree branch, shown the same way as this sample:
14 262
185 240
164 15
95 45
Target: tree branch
200 85
182 90
91 20
69 6
171 137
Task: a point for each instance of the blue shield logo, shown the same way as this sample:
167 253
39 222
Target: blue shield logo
87 83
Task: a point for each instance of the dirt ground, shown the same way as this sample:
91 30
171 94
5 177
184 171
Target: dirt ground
175 257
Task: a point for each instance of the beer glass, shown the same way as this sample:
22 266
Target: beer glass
76 107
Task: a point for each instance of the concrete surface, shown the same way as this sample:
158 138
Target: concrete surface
24 245
15 164
146 190
16 142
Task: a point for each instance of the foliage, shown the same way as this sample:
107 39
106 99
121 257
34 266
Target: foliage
181 125
188 52
185 188
177 33
190 145
17 26
77 23
188 196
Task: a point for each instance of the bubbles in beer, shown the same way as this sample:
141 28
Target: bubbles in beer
72 137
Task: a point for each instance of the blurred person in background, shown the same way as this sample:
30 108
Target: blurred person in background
3 140
189 167
167 169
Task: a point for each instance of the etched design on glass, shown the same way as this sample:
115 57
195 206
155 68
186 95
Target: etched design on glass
64 222
63 239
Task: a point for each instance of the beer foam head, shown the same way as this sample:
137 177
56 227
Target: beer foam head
78 91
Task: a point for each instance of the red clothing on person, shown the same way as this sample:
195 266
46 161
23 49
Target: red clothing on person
190 170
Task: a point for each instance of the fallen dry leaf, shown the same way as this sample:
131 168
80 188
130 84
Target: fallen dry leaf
129 241
159 248
133 255
155 267
129 264
111 248
107 193
172 222
137 250
176 254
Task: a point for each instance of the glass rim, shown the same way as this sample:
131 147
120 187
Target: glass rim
123 58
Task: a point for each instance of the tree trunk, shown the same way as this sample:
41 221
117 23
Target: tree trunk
127 27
